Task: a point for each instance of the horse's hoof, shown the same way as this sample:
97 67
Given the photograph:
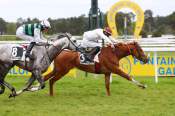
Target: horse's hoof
2 89
33 89
145 86
1 92
43 86
12 95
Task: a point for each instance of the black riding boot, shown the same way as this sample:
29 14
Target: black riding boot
88 57
29 48
92 53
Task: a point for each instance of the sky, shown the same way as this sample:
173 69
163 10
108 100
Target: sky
11 10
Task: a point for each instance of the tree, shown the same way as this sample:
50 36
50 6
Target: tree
2 26
11 28
143 34
73 25
171 21
149 21
120 23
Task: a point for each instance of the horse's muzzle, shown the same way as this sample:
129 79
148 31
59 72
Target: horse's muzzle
145 60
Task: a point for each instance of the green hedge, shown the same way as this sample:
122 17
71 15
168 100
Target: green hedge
9 38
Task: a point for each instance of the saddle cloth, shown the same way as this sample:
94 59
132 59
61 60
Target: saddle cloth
95 59
18 52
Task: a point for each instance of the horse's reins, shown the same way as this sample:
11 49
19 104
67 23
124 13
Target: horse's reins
77 48
129 49
130 52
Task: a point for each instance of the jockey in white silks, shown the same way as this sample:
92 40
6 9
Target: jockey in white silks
33 33
91 39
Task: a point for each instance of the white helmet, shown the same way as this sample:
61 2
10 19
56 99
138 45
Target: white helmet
46 23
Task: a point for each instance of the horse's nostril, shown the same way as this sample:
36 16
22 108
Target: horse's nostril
146 60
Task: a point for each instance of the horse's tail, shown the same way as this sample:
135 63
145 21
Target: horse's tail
49 75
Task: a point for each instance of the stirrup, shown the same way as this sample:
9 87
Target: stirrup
29 57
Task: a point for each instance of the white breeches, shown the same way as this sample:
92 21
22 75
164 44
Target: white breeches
90 43
86 43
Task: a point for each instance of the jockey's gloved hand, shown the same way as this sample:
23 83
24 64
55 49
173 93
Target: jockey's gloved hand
111 45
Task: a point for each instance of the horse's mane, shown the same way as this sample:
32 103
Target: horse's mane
136 44
59 35
118 45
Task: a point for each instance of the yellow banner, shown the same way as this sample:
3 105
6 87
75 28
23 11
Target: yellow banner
16 71
165 63
130 65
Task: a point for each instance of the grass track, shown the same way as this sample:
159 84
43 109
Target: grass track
86 97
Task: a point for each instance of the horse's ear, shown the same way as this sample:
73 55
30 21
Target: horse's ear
135 43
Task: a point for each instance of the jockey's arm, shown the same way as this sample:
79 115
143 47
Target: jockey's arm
105 37
113 40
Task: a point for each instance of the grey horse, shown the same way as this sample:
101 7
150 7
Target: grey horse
43 55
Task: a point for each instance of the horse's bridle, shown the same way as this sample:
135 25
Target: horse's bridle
129 49
77 48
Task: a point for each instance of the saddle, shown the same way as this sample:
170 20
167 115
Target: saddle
87 55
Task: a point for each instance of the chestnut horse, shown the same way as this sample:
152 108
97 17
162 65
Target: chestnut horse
108 61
